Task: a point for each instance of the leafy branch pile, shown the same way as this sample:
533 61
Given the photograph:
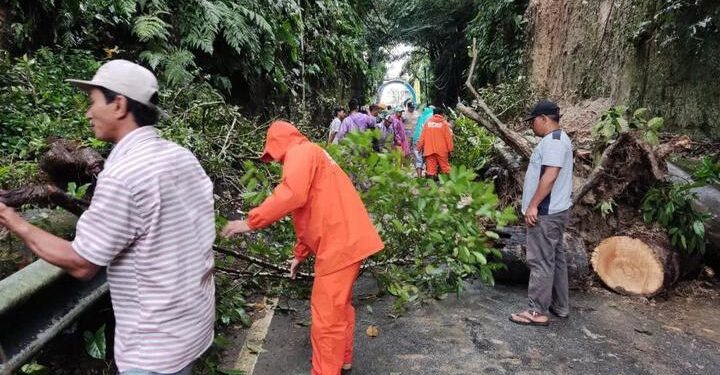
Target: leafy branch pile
436 234
667 203
671 205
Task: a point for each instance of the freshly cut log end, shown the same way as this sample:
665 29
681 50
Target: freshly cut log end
632 266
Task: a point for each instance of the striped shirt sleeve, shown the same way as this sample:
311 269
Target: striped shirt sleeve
110 225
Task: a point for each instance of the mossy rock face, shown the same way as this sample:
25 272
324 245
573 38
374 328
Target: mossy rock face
615 49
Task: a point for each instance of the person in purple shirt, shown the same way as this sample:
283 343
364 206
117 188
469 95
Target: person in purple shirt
400 139
355 121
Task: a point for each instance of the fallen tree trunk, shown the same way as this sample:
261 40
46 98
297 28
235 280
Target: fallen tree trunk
65 162
642 263
43 196
512 245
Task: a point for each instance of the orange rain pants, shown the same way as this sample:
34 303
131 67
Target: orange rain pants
330 222
432 162
436 143
333 320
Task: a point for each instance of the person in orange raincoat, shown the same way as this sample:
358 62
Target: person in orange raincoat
331 223
436 143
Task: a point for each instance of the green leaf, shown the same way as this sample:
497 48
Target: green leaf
245 319
95 343
640 112
34 368
151 26
655 123
491 234
699 228
480 258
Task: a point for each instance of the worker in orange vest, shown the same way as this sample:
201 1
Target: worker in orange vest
436 143
331 223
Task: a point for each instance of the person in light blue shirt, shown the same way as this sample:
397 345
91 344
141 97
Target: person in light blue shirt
419 158
546 203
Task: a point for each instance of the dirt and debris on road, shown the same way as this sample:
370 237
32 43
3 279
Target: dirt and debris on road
606 334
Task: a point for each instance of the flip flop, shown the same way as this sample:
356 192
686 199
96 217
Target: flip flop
528 321
346 368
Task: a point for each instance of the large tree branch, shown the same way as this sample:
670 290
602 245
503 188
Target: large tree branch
44 196
257 261
599 170
489 120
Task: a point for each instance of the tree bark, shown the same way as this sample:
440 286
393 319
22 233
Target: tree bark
489 120
43 196
65 162
513 249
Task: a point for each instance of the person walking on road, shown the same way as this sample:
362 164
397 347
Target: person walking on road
400 141
436 144
339 114
356 121
332 224
419 158
546 206
410 119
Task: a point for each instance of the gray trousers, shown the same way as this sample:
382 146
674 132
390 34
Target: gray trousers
547 260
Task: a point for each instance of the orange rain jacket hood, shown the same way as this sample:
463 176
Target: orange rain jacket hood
329 217
436 137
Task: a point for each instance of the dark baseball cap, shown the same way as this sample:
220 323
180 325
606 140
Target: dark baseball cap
544 107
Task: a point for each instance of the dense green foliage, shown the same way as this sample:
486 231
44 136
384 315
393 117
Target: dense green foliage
473 144
36 103
442 31
436 234
670 205
615 120
272 56
499 31
692 24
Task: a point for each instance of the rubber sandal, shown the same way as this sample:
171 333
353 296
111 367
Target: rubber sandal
528 321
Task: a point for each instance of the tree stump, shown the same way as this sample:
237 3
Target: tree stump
512 245
641 264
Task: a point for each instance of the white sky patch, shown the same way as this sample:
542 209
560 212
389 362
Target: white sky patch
399 56
396 93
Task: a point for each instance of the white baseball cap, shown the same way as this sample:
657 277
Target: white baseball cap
125 78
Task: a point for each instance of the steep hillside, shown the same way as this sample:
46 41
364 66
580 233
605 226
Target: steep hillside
664 55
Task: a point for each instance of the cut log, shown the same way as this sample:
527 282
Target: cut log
512 245
641 265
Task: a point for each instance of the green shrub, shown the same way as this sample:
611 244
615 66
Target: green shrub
36 102
615 120
473 144
670 205
436 234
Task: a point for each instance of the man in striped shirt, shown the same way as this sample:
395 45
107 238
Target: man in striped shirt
151 222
